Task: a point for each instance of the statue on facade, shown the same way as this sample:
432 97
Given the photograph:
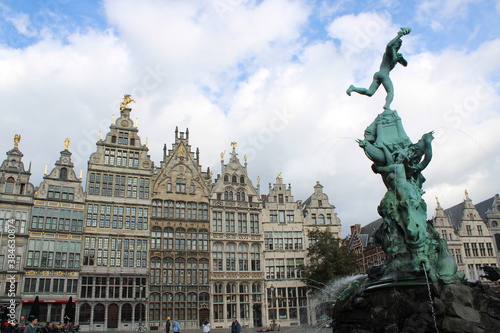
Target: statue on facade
17 138
389 60
126 101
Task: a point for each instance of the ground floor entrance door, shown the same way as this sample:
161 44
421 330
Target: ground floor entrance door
257 315
113 316
303 316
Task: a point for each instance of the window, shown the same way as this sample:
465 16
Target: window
216 221
480 230
469 230
230 227
85 312
217 257
63 175
489 247
231 257
474 249
242 223
255 257
243 258
180 185
29 285
254 224
9 185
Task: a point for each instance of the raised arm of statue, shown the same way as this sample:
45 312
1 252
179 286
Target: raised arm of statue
389 60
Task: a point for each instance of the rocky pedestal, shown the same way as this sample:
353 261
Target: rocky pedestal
455 308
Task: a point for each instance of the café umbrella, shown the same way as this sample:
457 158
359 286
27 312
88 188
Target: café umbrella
69 311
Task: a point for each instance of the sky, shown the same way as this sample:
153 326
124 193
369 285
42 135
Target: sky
270 75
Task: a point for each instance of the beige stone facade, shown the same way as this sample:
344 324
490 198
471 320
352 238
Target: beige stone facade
114 275
236 242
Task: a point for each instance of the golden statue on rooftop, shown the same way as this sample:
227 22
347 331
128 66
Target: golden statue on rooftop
126 101
17 138
66 143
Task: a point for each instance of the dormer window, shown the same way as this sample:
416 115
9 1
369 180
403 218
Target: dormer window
180 185
63 174
9 186
123 138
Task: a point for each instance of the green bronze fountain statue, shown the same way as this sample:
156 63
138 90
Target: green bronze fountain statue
410 241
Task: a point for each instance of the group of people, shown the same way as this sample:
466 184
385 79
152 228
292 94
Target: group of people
176 327
12 326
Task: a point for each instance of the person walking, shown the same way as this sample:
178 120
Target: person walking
176 327
31 328
235 326
167 325
206 326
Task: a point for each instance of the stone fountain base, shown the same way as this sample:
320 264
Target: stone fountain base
459 307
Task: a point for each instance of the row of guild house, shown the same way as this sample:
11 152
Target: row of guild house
140 242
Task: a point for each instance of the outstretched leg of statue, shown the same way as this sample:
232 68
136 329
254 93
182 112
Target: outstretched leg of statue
363 91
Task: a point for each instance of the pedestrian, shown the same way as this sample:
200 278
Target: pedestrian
167 325
235 326
50 328
176 327
206 326
10 327
31 327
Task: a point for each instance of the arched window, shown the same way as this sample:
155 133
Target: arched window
168 305
180 210
231 288
99 313
156 208
240 195
180 239
242 179
204 299
168 271
255 257
126 313
155 270
217 257
243 257
226 178
180 306
63 175
156 238
140 312
168 238
85 311
9 186
192 306
321 219
231 257
191 240
168 209
154 306
234 179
